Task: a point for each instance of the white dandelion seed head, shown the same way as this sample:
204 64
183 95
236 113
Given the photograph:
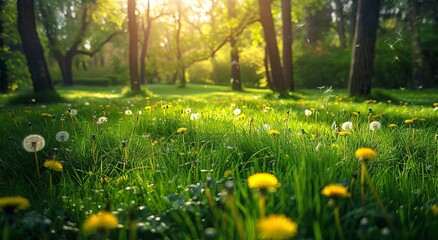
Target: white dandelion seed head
62 136
194 116
73 112
375 125
34 143
139 112
188 110
266 127
102 120
307 112
128 112
237 111
347 126
87 103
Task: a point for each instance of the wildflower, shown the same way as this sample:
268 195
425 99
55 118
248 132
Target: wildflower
13 204
335 191
365 153
128 112
344 133
73 112
307 112
266 126
267 109
274 132
33 143
263 181
276 227
392 125
102 120
139 112
148 108
409 121
237 111
102 221
53 165
182 130
375 126
347 126
435 209
62 136
194 116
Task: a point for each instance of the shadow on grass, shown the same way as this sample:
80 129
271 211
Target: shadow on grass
29 97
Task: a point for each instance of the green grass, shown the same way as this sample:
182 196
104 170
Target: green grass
173 185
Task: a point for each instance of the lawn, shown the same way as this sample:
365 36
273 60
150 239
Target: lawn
208 163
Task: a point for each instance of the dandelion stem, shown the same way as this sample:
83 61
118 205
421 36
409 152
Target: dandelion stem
262 204
5 235
338 222
232 205
51 182
37 167
362 184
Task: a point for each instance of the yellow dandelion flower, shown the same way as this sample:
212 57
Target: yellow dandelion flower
13 204
274 132
435 209
409 121
335 191
435 104
276 227
263 180
392 125
344 133
365 153
102 221
53 165
148 108
182 130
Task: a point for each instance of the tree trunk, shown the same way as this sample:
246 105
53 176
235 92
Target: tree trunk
236 84
133 47
267 70
340 24
287 45
417 78
144 48
32 47
362 61
3 67
278 83
352 17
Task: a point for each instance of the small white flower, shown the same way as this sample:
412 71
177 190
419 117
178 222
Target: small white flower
188 110
375 126
266 127
34 143
128 112
62 136
87 103
347 126
237 111
307 112
194 116
139 112
102 120
73 112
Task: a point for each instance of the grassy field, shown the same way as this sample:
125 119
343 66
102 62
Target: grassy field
185 164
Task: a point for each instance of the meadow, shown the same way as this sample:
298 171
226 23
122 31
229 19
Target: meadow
208 163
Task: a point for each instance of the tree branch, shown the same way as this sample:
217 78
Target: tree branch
99 47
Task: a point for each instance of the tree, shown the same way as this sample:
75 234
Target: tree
3 67
417 57
362 61
287 44
32 48
236 84
133 47
67 25
340 22
278 84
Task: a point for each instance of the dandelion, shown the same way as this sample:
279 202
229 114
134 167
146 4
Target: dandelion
266 127
409 121
194 116
73 112
375 125
101 222
273 132
34 143
11 205
365 153
182 130
307 112
276 227
102 120
237 111
62 136
347 126
335 191
53 165
344 133
128 112
263 182
392 125
148 108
